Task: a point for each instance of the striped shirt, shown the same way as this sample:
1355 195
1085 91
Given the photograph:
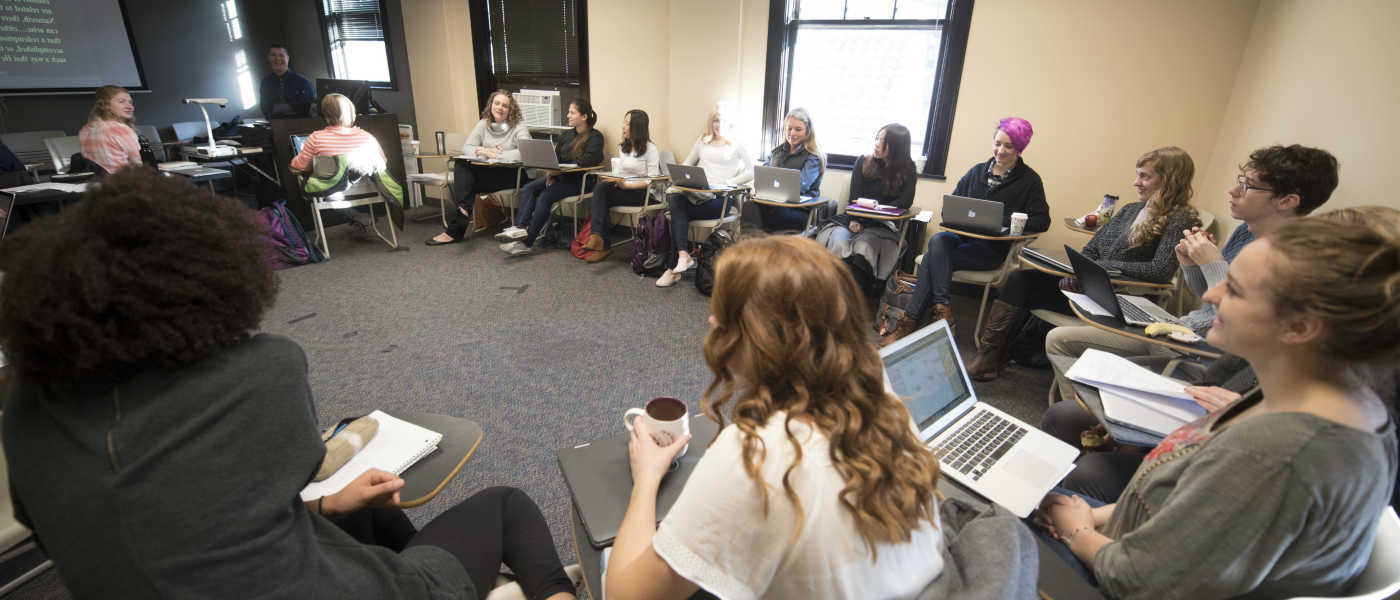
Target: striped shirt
334 141
111 144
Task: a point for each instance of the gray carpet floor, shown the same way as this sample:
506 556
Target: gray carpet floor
544 351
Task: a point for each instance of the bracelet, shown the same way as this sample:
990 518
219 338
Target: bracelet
1069 538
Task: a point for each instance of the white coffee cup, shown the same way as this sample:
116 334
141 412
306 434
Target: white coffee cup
667 419
617 165
1018 223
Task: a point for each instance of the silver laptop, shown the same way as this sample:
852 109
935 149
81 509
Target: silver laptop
776 184
692 177
539 154
1133 310
973 215
990 452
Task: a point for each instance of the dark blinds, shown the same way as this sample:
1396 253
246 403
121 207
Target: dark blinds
353 21
534 38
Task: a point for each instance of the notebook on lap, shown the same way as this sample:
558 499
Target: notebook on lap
973 215
1133 310
988 451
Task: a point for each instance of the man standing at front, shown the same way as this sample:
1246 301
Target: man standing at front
284 92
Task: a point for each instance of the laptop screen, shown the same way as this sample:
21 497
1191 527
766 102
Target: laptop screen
1094 280
927 374
297 142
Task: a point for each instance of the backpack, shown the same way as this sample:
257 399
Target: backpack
899 293
576 247
706 255
287 245
652 249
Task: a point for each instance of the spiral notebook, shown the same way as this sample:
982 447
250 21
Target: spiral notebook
395 447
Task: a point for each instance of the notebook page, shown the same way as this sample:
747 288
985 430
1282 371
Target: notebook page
395 447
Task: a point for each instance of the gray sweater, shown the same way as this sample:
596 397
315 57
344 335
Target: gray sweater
485 137
184 484
1277 505
1149 262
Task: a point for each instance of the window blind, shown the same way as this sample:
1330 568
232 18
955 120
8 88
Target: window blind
534 38
353 21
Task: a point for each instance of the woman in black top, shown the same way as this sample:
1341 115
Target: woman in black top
582 145
1004 178
888 176
799 152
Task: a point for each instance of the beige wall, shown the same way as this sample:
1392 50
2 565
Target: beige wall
1320 74
1101 80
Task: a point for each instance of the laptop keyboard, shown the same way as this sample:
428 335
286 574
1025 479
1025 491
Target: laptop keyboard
978 444
1133 313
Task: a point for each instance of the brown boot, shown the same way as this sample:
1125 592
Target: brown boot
902 326
945 312
598 256
994 341
595 243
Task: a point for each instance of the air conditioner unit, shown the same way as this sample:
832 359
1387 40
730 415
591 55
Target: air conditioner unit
540 107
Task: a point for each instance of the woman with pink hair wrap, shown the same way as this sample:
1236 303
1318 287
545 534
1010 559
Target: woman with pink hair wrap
1004 178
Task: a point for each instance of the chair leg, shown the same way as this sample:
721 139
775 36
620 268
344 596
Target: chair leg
981 311
1054 391
321 231
373 223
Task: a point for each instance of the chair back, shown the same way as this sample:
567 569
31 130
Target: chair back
1381 577
28 146
1207 219
148 133
61 150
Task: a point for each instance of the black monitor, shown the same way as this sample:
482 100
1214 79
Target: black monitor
357 90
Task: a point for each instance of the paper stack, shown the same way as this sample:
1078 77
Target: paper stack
1134 396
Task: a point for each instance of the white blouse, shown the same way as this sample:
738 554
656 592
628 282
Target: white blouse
717 535
727 164
646 165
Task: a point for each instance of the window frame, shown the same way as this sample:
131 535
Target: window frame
777 84
393 83
484 60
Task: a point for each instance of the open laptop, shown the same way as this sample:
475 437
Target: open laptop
1094 280
776 184
990 452
973 215
539 154
599 477
1055 261
694 178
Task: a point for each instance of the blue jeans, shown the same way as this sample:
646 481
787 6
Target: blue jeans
948 252
537 199
683 210
1061 549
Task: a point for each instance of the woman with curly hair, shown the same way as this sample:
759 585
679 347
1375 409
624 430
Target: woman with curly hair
158 448
819 488
1140 241
109 136
496 137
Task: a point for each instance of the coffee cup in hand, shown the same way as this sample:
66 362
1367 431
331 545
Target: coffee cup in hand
667 420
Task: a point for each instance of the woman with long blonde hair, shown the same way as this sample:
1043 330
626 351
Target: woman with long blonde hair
819 487
109 136
725 162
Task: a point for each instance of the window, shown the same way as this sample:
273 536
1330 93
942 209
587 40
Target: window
856 65
231 21
356 44
530 44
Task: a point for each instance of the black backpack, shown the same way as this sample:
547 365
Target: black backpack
705 257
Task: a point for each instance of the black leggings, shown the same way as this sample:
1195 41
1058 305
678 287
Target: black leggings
468 180
1102 475
500 525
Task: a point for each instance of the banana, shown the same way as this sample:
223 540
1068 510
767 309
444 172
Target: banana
1161 328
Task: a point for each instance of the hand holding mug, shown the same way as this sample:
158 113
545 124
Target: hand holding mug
650 460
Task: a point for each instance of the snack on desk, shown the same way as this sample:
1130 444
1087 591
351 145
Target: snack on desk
1180 333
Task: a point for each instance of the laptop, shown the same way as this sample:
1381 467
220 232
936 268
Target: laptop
990 452
775 184
539 154
973 215
694 178
1055 261
298 140
599 477
1133 310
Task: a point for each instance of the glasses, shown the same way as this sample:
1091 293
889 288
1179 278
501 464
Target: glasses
1245 185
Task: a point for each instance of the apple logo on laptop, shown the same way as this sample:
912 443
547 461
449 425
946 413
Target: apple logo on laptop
687 176
971 214
777 184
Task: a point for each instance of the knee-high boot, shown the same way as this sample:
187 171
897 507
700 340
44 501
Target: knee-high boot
995 341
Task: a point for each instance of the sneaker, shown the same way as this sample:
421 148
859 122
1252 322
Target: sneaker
511 233
668 279
516 248
682 267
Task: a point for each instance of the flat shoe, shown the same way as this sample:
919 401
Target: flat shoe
433 242
598 256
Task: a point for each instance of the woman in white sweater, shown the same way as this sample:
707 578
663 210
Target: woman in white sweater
638 157
725 163
496 137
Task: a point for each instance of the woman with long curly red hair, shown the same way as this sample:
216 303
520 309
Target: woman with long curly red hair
819 487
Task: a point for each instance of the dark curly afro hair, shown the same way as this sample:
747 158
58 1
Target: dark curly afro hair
146 272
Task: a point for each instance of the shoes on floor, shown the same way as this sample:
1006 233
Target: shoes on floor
510 234
682 267
597 256
516 248
595 243
668 279
434 242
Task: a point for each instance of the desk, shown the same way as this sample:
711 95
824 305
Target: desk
1088 398
994 238
188 154
1140 334
1121 280
1069 224
198 175
903 217
730 194
810 204
427 477
1056 582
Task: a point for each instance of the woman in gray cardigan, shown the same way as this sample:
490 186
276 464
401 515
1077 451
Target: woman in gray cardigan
496 137
1277 494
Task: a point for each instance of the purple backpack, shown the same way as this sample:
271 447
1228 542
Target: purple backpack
287 245
652 249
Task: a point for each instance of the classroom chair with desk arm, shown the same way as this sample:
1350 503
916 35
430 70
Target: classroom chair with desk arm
29 147
329 173
989 279
653 202
440 180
